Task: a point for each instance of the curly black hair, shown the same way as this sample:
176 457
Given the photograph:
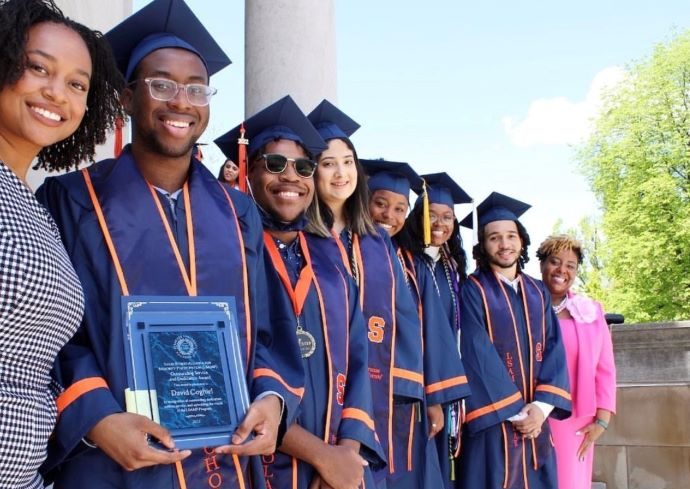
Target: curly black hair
411 238
103 104
482 258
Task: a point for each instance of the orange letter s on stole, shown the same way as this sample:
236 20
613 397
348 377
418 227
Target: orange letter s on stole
376 329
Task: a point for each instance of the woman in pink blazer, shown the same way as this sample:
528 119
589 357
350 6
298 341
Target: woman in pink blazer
589 354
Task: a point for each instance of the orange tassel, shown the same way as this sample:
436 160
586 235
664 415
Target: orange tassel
119 124
242 144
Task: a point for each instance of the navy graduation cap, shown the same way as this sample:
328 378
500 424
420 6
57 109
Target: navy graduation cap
442 189
331 122
163 24
497 207
281 120
392 176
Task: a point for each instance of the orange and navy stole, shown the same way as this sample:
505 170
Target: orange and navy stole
318 278
148 261
410 418
375 278
519 337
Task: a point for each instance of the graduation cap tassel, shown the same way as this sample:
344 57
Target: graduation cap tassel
475 225
117 147
426 220
242 143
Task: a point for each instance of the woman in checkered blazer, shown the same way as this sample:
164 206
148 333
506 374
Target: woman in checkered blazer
58 99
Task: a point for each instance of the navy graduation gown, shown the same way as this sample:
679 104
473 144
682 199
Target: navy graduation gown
393 333
229 261
436 279
337 401
444 374
514 355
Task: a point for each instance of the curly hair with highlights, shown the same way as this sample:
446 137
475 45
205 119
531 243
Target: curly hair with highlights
103 104
555 244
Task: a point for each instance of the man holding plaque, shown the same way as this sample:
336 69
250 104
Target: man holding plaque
333 440
155 222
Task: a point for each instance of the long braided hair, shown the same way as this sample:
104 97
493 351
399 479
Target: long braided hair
411 238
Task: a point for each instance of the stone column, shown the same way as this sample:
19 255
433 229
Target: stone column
289 50
99 15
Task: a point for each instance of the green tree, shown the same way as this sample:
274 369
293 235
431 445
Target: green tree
638 164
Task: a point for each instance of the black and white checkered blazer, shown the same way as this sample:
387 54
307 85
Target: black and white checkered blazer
41 305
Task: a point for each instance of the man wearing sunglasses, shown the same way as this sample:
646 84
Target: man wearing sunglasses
155 222
333 442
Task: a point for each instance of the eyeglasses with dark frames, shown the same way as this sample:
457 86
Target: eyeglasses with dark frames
277 163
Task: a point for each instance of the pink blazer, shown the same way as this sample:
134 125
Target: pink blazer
596 370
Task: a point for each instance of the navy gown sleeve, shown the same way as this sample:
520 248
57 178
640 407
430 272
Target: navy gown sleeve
445 380
552 383
358 420
408 376
494 397
79 366
277 365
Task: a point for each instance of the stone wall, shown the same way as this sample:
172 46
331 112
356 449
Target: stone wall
648 443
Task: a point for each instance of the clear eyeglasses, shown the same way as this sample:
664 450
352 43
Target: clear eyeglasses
165 90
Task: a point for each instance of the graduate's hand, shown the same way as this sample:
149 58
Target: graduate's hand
590 434
263 421
341 467
530 426
436 419
318 483
124 438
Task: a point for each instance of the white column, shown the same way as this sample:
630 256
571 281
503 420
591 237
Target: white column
289 50
99 15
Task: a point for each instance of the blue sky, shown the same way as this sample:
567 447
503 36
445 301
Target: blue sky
494 93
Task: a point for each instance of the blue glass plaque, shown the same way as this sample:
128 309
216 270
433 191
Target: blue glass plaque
185 368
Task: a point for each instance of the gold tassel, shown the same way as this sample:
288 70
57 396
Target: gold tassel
426 220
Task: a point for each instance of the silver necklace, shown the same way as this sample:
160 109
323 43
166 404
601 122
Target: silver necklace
560 306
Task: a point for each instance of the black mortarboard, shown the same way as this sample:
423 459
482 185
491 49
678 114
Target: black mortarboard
497 207
331 122
391 175
281 120
163 24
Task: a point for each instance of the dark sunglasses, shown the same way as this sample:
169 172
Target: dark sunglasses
275 163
